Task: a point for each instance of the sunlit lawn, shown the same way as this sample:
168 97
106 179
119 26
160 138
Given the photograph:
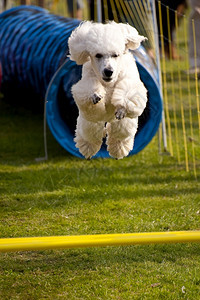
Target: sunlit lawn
70 196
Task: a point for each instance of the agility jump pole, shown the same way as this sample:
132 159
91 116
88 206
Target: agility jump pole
81 241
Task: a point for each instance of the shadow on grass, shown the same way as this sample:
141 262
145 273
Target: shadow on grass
78 181
98 257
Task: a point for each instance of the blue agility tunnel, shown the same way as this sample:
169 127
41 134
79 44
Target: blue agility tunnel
34 63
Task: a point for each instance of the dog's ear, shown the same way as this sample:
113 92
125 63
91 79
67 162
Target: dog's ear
132 38
78 43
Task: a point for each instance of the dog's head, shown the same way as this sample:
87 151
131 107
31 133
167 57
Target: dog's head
104 45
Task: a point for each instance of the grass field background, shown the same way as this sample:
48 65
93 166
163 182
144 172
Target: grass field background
65 195
70 196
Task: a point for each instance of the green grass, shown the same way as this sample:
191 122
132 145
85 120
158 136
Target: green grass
70 196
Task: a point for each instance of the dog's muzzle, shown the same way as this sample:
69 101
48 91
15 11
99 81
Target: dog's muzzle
107 74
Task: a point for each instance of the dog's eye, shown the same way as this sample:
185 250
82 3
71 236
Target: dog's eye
98 55
115 55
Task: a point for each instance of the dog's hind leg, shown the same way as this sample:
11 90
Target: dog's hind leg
89 137
120 137
86 148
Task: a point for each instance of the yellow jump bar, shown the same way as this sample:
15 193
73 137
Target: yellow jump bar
63 242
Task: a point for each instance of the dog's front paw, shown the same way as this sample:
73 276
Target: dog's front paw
120 113
96 98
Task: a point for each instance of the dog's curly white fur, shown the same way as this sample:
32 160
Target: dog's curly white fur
110 91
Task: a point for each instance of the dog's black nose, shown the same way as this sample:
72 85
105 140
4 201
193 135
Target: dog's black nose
108 72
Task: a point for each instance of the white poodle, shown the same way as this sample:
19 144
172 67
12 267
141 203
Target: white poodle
110 95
